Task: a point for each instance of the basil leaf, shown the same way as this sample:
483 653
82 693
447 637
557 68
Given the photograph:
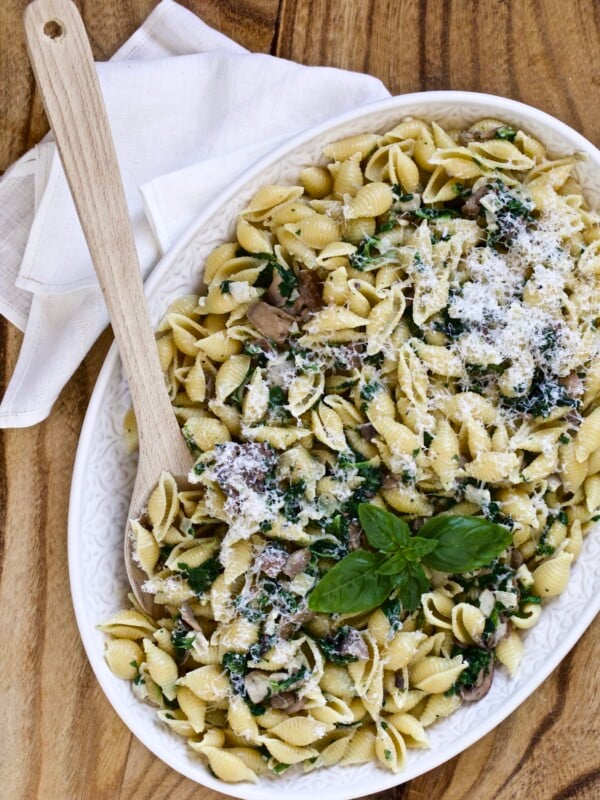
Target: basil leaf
412 583
385 531
393 565
352 585
418 547
464 543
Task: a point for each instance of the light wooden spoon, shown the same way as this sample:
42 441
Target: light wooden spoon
63 64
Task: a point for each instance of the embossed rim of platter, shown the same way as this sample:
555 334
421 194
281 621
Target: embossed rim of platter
103 475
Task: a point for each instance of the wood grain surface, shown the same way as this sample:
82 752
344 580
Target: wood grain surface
60 738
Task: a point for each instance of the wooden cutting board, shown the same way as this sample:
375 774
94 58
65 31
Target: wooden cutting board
60 738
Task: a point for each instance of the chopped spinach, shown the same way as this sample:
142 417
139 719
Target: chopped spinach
369 390
277 396
292 500
284 685
478 659
333 647
201 578
181 637
545 394
434 213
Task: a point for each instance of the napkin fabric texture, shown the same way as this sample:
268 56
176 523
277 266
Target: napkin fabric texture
189 111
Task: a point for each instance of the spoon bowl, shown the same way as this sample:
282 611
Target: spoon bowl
63 64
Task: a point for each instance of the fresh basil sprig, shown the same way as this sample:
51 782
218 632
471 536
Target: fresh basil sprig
363 579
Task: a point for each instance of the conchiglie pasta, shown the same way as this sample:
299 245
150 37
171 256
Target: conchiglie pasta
412 326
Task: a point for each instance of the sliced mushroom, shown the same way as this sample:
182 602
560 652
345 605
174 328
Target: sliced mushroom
271 561
354 645
291 624
477 136
187 615
287 701
516 558
310 294
296 562
273 294
481 686
367 431
472 207
573 384
270 321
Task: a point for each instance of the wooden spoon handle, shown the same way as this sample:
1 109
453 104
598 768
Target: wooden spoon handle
62 60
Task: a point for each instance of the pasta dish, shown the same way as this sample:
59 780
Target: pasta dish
391 386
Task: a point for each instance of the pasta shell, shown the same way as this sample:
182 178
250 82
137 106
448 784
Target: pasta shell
328 428
510 651
193 708
361 748
301 731
390 748
318 230
361 144
209 683
129 624
337 681
440 187
192 553
123 656
552 576
163 505
231 375
347 176
410 726
288 753
336 712
371 200
218 257
130 431
440 705
468 623
204 433
279 438
436 675
162 668
146 551
304 392
226 765
252 239
383 319
267 198
438 609
355 230
317 181
403 171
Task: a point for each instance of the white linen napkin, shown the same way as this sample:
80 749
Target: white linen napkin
189 110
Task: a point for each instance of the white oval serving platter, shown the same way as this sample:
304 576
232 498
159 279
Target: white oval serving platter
104 472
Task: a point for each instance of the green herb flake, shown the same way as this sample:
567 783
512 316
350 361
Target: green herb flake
505 132
279 768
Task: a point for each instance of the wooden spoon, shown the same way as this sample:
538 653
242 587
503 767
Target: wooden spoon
63 64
